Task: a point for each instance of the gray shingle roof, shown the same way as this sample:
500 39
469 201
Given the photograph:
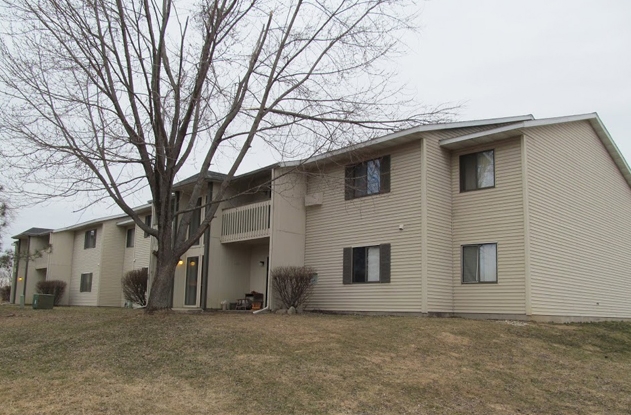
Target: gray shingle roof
33 232
210 175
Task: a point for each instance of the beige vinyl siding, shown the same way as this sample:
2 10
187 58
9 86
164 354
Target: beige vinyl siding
494 215
288 221
84 261
136 257
580 225
112 257
130 253
60 260
439 269
439 265
366 221
142 247
39 246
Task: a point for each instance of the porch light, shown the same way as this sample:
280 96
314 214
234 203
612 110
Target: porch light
180 262
192 263
19 278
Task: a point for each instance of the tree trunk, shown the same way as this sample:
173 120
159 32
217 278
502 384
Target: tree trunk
160 295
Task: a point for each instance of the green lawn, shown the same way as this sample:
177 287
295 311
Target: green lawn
119 361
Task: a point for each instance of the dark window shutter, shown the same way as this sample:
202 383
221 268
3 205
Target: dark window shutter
385 174
347 277
348 183
384 263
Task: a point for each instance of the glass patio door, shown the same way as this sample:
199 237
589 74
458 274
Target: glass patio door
191 293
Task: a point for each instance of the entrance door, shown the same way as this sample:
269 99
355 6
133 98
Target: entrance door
191 291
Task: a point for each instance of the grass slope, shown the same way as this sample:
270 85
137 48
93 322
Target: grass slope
87 360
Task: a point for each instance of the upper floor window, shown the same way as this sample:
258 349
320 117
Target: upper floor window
366 264
368 178
477 171
131 233
148 223
479 263
196 219
90 239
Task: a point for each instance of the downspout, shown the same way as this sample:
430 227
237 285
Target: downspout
262 310
28 253
16 267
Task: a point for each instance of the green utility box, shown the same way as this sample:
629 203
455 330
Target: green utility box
43 301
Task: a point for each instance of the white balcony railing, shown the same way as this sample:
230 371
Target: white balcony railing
245 222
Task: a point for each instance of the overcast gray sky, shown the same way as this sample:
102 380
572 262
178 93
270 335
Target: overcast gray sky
495 57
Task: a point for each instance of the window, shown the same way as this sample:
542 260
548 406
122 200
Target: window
86 283
477 171
196 219
479 263
148 223
367 264
90 239
368 178
131 232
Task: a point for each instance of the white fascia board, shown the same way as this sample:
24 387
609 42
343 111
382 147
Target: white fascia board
407 132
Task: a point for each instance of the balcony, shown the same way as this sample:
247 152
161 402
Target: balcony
245 222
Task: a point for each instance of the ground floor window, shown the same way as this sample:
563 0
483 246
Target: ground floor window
367 264
479 263
86 283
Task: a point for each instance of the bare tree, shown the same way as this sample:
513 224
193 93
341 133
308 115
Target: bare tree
105 97
4 214
6 267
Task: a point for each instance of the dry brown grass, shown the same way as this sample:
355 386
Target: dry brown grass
86 360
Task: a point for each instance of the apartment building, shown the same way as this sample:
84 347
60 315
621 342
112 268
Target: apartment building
91 257
501 218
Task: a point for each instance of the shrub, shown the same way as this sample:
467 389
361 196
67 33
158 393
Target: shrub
53 287
5 293
293 285
135 286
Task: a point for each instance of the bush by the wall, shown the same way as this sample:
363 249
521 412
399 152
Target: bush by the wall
5 293
135 286
53 287
293 285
